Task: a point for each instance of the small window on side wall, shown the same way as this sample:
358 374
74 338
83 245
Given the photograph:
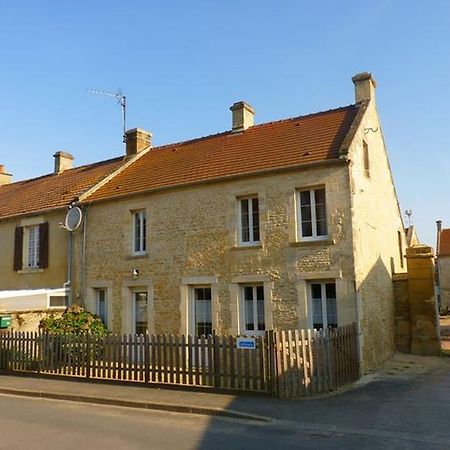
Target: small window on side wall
249 221
139 232
366 159
312 214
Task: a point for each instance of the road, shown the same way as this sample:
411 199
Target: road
49 424
394 411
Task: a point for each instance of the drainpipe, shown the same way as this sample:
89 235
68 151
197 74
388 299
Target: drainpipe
68 284
83 258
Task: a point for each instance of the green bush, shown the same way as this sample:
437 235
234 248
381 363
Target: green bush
75 320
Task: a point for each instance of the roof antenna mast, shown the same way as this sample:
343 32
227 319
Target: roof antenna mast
121 100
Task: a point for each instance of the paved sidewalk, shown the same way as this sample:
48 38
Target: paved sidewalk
134 396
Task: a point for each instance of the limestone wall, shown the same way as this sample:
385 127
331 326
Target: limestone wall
192 240
377 228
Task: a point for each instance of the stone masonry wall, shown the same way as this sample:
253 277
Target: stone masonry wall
192 239
377 225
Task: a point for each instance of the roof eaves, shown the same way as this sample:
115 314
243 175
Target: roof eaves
301 166
345 146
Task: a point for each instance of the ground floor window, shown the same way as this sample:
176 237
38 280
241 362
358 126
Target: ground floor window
323 302
202 311
140 312
101 307
253 308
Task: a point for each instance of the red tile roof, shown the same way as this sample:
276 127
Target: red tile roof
275 145
444 242
52 191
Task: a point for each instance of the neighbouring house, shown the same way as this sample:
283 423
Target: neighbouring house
442 267
35 262
281 225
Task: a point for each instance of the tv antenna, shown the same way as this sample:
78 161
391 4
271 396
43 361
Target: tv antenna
409 213
121 100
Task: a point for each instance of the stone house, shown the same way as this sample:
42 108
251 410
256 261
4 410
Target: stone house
288 224
442 267
35 249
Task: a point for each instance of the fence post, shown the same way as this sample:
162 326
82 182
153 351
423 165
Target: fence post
146 358
88 355
273 378
216 356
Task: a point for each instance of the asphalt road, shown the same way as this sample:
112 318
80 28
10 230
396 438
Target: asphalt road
48 424
407 407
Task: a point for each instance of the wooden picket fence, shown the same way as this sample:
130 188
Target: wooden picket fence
284 364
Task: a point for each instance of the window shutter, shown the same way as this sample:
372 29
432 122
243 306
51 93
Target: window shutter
43 245
18 248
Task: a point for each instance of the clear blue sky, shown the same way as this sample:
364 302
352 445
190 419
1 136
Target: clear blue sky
182 64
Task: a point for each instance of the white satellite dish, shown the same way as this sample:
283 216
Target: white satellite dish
73 218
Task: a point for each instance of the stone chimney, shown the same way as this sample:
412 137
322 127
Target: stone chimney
243 115
439 229
137 140
365 85
5 178
63 161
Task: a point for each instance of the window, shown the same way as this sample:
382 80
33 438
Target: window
140 231
58 301
249 221
366 158
140 312
312 217
323 303
253 317
101 306
400 248
31 247
202 311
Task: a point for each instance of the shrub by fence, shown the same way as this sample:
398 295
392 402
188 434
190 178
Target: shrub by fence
282 363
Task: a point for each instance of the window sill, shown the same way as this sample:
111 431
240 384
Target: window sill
136 256
31 270
247 247
312 243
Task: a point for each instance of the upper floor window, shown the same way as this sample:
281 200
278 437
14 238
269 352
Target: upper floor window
139 232
31 247
312 214
249 221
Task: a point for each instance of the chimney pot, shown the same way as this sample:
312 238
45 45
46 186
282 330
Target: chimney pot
242 115
63 161
365 85
5 178
137 140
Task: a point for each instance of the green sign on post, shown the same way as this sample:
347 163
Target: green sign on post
5 321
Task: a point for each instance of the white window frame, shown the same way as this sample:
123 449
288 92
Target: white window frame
32 247
314 236
140 216
251 242
138 290
323 284
191 329
242 311
97 303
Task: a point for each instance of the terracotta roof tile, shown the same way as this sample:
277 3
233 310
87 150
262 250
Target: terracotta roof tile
444 242
52 191
274 145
